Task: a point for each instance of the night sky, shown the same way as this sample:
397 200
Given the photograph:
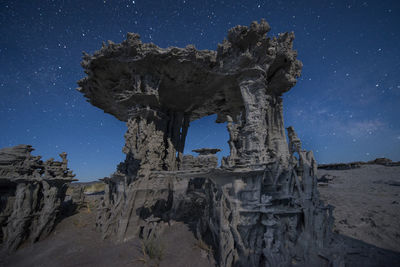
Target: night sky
345 107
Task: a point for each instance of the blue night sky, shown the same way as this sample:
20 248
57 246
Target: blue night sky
345 106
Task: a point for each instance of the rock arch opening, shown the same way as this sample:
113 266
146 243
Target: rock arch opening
206 133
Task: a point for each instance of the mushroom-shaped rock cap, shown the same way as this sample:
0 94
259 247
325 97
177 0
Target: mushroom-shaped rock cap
124 77
207 151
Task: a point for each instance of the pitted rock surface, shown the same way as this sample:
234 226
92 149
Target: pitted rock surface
242 82
261 207
32 192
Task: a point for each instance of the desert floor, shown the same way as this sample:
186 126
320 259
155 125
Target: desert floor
74 242
366 204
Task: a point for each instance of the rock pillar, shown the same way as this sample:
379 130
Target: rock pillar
154 141
257 137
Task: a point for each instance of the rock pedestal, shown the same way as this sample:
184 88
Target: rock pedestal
261 207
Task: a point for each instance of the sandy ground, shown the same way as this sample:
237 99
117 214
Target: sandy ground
74 242
367 204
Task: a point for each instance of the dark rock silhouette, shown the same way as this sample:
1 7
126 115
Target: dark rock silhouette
31 193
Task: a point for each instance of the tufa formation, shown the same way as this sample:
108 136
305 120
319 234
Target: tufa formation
31 195
261 206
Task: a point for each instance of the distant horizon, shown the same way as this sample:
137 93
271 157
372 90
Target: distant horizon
193 141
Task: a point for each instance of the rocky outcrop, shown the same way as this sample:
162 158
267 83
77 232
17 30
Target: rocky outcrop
357 164
261 207
206 160
32 192
341 166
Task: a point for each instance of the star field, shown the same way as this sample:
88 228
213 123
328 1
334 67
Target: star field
345 106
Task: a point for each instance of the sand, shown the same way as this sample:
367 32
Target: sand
367 203
75 242
367 208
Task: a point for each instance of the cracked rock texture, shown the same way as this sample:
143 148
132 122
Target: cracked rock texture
261 207
31 194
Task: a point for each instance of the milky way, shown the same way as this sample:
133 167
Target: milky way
345 106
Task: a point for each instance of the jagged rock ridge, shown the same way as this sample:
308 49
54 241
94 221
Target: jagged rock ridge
31 194
261 207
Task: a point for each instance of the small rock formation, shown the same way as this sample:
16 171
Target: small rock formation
325 179
31 194
206 151
357 164
206 160
80 195
261 207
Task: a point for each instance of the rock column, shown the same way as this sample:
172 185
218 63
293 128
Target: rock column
258 136
154 141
